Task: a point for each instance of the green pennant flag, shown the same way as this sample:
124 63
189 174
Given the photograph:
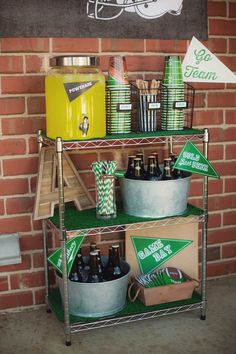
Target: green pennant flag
152 252
192 160
72 247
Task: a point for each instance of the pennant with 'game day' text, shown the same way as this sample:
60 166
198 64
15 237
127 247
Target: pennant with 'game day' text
72 247
192 160
152 252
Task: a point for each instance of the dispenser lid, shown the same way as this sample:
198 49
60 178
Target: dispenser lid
75 60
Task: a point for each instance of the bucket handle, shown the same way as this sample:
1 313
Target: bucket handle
134 298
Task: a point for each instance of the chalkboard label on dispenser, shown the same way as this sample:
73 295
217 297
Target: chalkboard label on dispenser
75 98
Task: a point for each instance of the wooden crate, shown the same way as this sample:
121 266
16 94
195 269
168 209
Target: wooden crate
161 294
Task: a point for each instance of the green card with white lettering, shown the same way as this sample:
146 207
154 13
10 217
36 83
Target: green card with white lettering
152 252
192 160
72 247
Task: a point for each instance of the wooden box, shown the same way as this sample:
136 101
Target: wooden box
161 294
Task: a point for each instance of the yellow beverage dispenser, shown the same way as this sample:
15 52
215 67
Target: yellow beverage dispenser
75 98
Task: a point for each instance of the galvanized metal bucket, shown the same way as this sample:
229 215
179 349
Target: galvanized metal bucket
154 199
97 299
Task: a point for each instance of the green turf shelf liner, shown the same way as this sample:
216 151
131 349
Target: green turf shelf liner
134 308
86 219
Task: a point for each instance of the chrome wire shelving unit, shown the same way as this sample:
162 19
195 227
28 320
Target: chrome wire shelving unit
71 326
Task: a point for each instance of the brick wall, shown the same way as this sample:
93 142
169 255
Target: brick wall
23 64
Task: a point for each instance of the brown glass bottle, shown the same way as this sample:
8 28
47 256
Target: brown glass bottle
138 169
113 269
94 276
99 261
93 246
157 163
130 168
75 274
152 174
174 171
143 171
166 170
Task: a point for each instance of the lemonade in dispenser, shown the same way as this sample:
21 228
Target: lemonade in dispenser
75 99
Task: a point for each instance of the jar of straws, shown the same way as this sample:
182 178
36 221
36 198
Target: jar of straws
105 188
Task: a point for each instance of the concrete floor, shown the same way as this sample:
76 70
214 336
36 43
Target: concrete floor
36 332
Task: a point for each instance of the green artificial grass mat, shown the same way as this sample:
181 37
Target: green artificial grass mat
185 131
86 219
131 308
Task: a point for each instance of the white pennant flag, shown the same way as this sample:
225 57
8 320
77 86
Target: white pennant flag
200 65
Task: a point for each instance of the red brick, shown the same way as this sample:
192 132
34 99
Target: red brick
225 168
39 296
11 64
38 260
230 185
27 280
208 117
229 217
138 63
221 268
232 45
33 145
215 186
88 179
19 205
20 166
22 84
200 100
12 147
221 99
24 45
77 45
216 152
36 105
222 202
3 283
222 27
37 225
204 86
222 235
15 126
213 253
122 45
107 155
166 46
145 63
30 242
230 152
14 186
2 207
217 8
230 62
219 134
24 265
214 220
230 117
232 9
229 251
216 45
15 224
34 64
12 105
16 300
83 161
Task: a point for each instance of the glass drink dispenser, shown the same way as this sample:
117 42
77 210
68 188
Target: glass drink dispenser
75 99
